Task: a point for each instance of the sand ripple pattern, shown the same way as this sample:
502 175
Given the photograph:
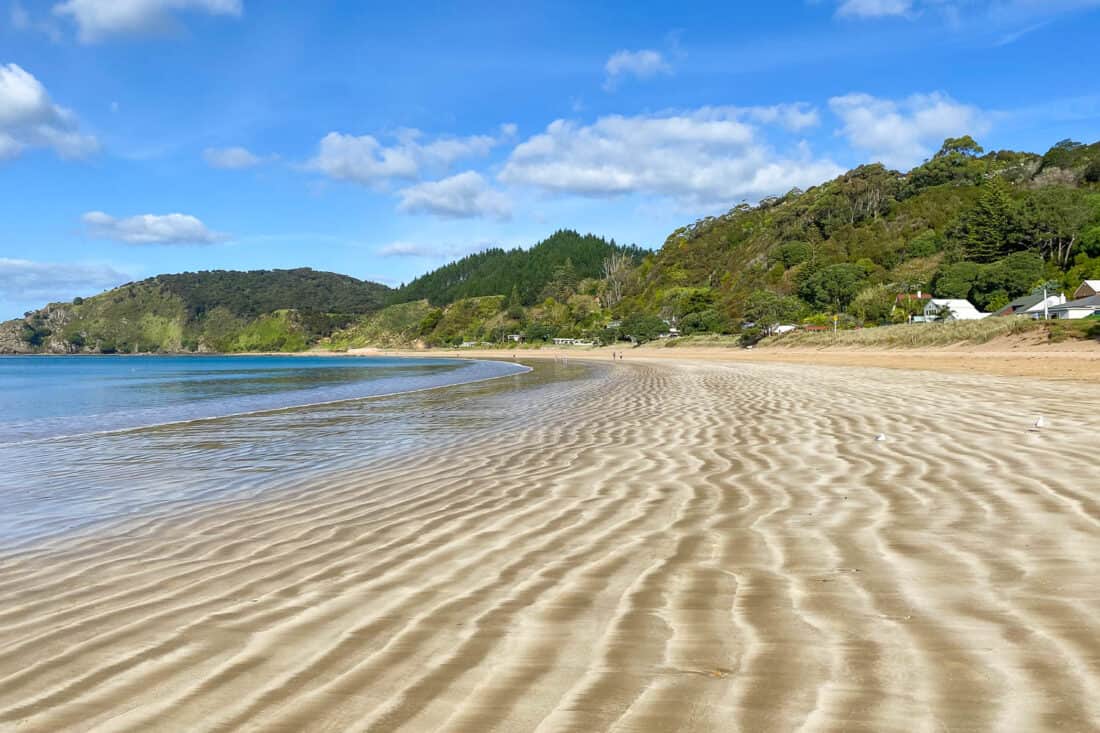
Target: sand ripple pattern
644 547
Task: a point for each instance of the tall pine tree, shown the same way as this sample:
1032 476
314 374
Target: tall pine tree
990 230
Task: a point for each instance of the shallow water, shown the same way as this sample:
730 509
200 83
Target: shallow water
51 396
53 487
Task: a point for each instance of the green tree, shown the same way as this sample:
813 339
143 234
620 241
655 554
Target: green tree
768 310
956 280
1056 218
834 286
1007 278
793 253
515 305
642 327
991 228
964 145
874 304
1092 172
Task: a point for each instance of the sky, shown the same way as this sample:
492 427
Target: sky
381 140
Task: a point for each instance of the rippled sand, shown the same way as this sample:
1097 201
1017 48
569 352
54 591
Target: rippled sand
653 547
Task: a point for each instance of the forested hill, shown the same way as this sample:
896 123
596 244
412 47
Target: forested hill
259 310
252 293
564 255
965 224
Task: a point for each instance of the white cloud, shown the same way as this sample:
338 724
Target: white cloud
980 14
40 282
98 19
643 64
150 229
793 117
461 196
874 8
20 19
704 157
903 133
364 159
232 158
29 118
434 251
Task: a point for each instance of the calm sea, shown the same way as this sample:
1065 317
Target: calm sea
52 396
89 443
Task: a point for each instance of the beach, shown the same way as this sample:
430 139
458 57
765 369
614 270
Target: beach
671 542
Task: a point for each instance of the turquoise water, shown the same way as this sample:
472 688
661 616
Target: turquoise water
52 396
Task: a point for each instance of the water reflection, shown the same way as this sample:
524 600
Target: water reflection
63 485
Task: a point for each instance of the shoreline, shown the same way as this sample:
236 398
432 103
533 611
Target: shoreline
1065 362
261 411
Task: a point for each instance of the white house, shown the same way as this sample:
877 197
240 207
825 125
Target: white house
1088 289
1034 306
1080 308
952 309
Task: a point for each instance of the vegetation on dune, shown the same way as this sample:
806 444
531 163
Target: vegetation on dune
917 335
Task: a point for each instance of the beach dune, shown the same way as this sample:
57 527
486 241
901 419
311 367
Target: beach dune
675 546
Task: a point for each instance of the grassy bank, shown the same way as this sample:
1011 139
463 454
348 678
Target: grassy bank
918 335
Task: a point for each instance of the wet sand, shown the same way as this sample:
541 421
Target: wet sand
671 546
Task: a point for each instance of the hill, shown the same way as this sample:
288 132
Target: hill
565 255
260 310
988 227
965 224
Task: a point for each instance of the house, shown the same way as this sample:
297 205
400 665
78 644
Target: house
1088 289
910 303
951 309
1034 306
516 337
1080 308
906 298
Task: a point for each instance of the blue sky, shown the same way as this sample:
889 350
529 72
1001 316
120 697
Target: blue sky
147 136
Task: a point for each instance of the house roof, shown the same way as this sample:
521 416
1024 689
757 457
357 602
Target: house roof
1092 301
953 303
1024 301
1094 284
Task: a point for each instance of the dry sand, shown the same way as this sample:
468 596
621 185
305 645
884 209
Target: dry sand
1007 357
692 547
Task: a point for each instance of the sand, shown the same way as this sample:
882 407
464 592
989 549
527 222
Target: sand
1010 356
680 546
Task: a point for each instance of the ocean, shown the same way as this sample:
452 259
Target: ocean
91 440
54 396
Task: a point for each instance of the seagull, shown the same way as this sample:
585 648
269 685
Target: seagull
880 437
1039 424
